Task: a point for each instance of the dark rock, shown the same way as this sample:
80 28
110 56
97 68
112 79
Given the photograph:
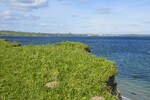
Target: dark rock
133 93
113 85
16 45
5 39
87 49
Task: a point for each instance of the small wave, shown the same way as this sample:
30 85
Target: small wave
125 98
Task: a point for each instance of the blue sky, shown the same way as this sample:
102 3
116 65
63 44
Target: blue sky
76 16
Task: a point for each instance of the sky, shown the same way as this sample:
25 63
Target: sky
76 16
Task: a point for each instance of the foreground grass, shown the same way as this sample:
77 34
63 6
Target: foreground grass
24 71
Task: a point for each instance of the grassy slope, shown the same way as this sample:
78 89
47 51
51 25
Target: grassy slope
25 70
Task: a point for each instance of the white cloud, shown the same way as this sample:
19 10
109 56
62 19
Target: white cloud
13 16
26 4
5 15
8 15
7 12
43 25
104 10
83 0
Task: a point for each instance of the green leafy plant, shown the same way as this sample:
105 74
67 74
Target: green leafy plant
62 71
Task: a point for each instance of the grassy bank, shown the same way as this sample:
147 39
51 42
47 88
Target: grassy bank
62 71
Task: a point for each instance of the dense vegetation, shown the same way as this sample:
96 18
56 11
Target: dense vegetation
25 72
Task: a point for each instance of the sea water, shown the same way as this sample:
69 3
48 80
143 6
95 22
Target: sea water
131 54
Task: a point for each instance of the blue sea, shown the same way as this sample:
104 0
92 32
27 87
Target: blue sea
131 54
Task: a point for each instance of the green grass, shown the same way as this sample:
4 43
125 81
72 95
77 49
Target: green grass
24 71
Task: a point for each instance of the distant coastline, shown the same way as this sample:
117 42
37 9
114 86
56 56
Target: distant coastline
14 33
